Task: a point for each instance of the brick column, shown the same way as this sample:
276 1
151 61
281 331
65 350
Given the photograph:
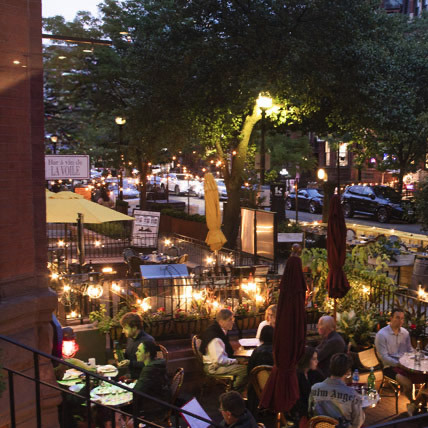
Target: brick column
26 303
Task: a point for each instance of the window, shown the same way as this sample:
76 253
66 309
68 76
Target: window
331 159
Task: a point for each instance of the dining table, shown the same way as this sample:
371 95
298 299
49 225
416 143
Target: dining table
408 362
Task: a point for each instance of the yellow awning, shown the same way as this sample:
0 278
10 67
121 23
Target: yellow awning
64 207
215 237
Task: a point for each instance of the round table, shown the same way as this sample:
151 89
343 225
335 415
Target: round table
408 361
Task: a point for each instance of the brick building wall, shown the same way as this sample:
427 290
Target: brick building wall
26 303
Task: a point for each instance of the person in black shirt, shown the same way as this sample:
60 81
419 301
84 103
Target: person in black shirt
261 356
235 415
132 326
307 376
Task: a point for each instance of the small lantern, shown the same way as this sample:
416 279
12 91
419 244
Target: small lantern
69 345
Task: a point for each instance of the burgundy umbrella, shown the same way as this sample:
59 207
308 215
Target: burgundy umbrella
337 283
282 389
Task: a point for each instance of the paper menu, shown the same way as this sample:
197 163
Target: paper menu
194 407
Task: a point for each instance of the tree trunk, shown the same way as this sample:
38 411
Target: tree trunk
328 188
143 167
233 179
400 180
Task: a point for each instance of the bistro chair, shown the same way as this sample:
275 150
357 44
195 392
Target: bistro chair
162 353
225 380
258 378
386 380
176 383
322 422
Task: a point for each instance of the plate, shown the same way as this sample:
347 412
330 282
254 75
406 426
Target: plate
76 388
107 370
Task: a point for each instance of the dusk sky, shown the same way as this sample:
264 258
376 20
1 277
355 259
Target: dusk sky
68 8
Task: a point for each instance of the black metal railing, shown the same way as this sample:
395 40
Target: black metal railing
201 293
86 397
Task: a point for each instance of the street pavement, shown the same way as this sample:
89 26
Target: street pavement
197 206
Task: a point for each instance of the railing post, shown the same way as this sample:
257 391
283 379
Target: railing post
37 384
135 409
88 399
11 400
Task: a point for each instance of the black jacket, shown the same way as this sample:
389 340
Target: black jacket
153 381
261 356
131 348
305 385
245 421
212 332
329 346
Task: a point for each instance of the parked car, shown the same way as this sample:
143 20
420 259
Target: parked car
130 189
382 202
221 186
307 199
179 183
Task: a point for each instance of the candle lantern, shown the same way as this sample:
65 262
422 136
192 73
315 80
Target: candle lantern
69 345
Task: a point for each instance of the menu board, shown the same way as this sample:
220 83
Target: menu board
145 229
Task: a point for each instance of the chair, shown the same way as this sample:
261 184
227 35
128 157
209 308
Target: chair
370 357
258 378
183 258
176 383
172 251
162 353
225 380
322 422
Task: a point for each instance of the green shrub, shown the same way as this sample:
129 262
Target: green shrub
181 214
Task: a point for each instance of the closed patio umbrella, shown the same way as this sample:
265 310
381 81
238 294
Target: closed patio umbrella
215 237
282 390
337 283
64 207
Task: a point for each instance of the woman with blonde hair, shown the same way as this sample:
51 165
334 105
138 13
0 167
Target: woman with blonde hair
270 317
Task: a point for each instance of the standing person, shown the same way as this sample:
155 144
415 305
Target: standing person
104 198
270 317
332 343
333 398
391 343
235 415
218 352
132 326
307 375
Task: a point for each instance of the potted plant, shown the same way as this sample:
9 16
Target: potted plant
157 323
358 330
185 322
107 324
416 322
392 252
245 317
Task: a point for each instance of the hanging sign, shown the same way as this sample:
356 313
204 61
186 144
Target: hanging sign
62 167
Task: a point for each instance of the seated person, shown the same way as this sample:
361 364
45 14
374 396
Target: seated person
270 317
261 356
232 408
391 343
218 352
333 398
132 326
332 343
153 380
307 375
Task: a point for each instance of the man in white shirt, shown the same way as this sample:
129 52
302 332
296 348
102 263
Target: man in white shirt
391 343
217 351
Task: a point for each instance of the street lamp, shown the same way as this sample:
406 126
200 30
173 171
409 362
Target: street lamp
322 174
54 140
120 121
264 102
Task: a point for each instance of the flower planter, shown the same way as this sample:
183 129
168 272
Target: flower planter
158 328
250 322
193 229
185 328
203 324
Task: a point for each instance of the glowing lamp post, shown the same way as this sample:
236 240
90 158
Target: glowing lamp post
120 122
263 103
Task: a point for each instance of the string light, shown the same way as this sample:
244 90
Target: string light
115 287
97 243
94 291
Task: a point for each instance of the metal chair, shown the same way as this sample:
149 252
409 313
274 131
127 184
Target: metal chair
225 380
162 353
258 378
370 357
176 383
322 422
